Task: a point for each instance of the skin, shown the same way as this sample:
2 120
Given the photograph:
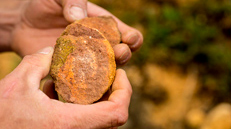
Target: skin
42 21
24 106
36 25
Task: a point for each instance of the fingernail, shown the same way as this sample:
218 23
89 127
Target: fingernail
45 50
133 40
77 13
124 57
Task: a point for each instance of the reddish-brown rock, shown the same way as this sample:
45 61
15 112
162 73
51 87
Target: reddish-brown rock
106 25
83 65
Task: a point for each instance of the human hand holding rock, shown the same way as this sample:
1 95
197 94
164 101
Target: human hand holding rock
42 21
23 105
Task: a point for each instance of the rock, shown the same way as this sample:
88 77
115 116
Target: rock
218 118
83 65
105 25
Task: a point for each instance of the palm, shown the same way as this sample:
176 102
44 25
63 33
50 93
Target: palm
31 40
36 31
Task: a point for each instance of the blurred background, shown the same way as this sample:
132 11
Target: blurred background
181 77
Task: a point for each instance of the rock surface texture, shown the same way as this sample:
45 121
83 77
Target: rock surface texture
83 65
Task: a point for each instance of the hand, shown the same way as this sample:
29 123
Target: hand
42 22
24 106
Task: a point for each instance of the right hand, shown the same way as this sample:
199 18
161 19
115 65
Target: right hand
24 106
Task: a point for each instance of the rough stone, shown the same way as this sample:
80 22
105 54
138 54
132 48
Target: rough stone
105 25
83 65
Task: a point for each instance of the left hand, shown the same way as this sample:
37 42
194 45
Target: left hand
42 22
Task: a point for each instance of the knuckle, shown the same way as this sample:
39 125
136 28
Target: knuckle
130 91
120 116
32 60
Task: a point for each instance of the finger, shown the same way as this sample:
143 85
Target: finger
115 111
73 9
49 89
105 114
34 67
122 54
132 37
121 89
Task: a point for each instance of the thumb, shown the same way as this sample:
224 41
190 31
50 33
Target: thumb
74 9
35 67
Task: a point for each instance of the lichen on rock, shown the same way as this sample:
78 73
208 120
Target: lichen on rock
83 65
